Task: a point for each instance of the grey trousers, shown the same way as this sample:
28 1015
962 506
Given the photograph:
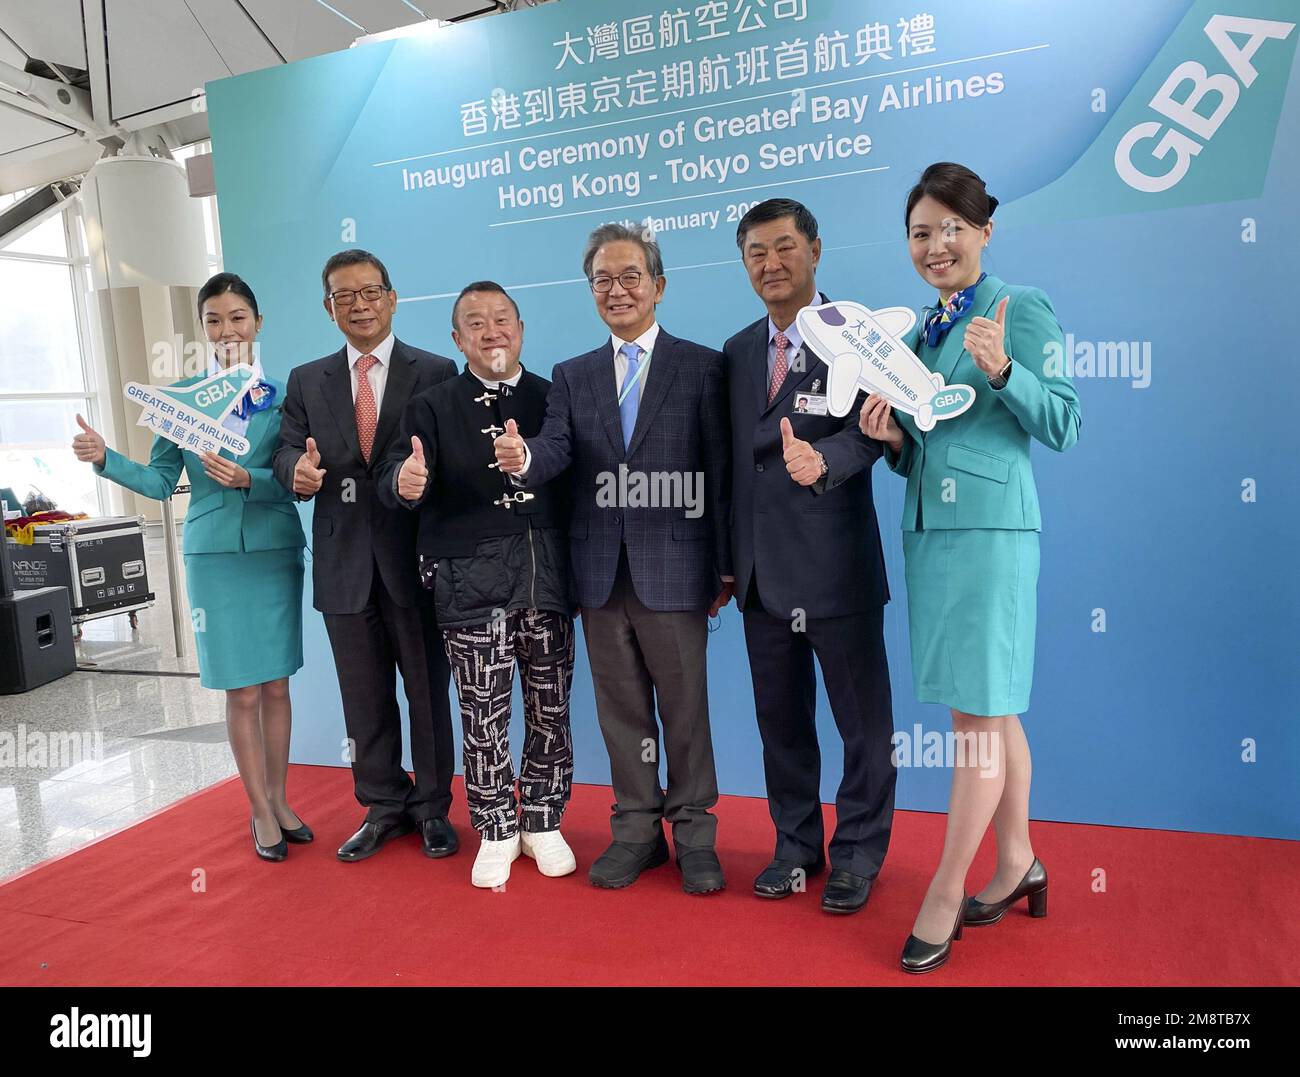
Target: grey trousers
637 655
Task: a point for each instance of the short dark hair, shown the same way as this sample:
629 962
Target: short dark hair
956 187
620 233
481 286
353 257
773 210
223 283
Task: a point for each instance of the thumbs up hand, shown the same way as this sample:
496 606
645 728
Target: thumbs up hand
510 449
308 475
985 340
802 461
88 445
414 476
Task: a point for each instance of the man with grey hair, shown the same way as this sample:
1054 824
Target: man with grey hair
643 410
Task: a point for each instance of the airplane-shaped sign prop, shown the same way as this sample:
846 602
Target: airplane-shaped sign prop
191 415
864 350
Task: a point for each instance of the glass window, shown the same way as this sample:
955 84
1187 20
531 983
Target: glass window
43 373
40 349
46 238
36 453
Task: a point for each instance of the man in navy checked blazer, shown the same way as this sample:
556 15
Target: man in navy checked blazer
641 423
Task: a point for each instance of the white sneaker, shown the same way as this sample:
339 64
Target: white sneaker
492 865
552 853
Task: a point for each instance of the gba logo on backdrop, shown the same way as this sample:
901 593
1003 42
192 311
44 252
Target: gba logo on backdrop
1189 129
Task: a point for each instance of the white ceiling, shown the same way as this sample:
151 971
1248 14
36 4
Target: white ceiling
147 61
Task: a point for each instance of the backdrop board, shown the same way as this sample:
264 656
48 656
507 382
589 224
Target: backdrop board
1146 159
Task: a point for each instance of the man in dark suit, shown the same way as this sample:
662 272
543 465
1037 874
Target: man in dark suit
810 574
641 424
341 414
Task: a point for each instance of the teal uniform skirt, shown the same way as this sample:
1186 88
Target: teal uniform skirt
972 603
247 610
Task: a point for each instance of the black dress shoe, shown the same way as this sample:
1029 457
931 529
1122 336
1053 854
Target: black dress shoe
371 838
439 838
300 835
781 878
278 851
845 892
622 863
921 956
701 871
1033 886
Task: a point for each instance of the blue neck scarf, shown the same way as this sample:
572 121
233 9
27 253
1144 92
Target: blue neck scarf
258 398
938 320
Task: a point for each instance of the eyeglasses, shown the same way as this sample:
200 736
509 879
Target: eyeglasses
603 282
371 293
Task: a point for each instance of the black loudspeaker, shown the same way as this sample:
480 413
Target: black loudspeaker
35 639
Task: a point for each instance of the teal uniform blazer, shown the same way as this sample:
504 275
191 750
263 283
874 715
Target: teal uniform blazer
986 449
220 519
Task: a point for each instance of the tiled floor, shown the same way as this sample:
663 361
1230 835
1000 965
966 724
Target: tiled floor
127 743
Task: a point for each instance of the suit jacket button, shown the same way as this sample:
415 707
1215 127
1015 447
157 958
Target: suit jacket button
758 467
618 519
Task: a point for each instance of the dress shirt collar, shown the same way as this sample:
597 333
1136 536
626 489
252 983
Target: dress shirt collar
383 352
791 334
646 341
511 381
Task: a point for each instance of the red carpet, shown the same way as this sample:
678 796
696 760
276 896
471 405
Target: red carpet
1177 909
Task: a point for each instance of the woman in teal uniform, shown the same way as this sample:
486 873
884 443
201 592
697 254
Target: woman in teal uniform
243 563
970 541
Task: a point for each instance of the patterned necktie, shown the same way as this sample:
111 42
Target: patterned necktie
367 415
629 393
779 368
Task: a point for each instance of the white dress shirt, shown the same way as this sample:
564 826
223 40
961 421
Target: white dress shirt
646 342
791 332
511 381
378 374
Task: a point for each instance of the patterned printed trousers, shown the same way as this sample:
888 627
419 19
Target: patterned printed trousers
483 666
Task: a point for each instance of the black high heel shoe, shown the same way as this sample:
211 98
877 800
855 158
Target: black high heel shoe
921 956
299 835
1033 886
278 851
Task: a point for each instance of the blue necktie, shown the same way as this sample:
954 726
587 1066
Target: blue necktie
632 400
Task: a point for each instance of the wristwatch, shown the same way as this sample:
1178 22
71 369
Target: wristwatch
824 465
999 380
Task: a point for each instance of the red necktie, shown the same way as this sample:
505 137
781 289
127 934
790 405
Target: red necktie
779 368
367 415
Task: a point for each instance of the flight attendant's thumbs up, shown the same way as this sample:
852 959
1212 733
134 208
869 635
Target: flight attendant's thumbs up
88 445
1001 316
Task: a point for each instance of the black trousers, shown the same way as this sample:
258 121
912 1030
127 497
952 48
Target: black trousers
638 657
483 659
370 648
851 653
